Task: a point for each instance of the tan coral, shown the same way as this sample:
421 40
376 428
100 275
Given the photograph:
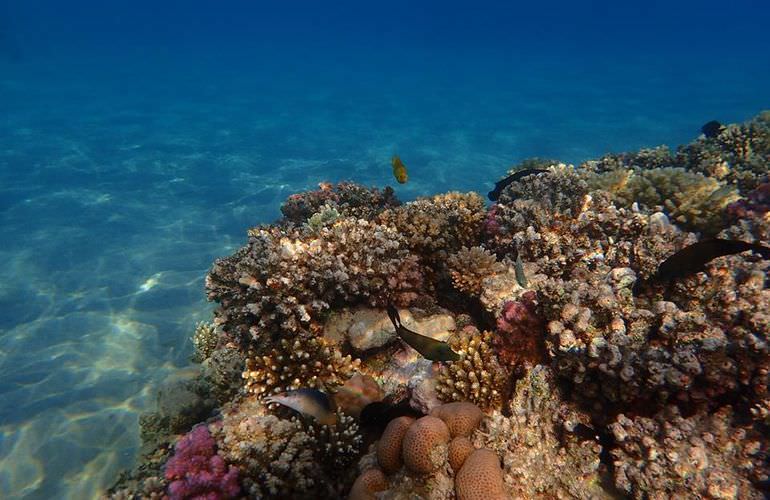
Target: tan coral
389 445
469 267
480 477
459 450
461 417
424 447
369 482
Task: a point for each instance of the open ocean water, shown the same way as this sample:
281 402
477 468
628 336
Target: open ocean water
139 140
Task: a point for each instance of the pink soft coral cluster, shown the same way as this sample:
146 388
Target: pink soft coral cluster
491 224
520 332
197 472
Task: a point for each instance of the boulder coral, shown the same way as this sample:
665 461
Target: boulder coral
480 477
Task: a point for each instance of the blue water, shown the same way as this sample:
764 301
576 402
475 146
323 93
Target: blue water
138 142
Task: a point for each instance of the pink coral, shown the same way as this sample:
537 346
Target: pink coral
756 204
520 332
491 224
197 472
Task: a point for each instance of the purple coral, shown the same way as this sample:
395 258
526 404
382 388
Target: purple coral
756 204
520 332
197 472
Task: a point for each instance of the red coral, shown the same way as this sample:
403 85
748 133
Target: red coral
197 472
519 338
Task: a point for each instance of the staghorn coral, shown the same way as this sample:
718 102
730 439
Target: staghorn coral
205 339
670 456
542 457
477 376
470 266
197 471
739 155
347 198
287 278
293 365
438 226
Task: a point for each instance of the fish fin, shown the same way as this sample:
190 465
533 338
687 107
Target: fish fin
395 318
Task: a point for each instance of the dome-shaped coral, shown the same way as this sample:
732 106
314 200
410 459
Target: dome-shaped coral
369 482
389 445
480 477
459 450
424 446
461 417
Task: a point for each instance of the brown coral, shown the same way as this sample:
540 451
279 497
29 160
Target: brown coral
424 447
477 376
461 418
369 482
480 477
470 266
390 444
459 449
293 365
349 199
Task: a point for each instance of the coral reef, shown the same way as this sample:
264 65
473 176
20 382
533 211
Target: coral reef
197 471
706 456
582 374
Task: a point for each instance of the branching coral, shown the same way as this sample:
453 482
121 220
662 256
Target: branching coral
644 159
670 456
688 198
347 198
739 155
205 339
293 365
287 278
438 226
470 266
477 376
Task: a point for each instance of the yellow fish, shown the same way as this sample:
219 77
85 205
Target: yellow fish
399 170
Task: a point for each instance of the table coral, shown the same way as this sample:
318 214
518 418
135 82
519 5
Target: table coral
197 471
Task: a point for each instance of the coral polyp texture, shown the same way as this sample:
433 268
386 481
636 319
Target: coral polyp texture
584 370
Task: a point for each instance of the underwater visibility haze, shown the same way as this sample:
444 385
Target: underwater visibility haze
248 251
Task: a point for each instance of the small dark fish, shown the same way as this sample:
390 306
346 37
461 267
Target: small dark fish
693 258
399 170
431 349
500 185
712 129
310 402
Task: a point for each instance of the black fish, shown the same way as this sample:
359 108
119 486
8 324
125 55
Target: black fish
693 258
500 185
712 129
432 349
